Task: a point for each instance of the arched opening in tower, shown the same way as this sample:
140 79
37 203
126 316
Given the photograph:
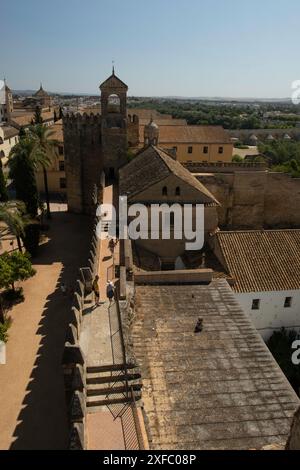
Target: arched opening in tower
113 104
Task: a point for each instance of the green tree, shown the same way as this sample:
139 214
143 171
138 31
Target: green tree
3 188
13 214
43 154
22 132
237 159
5 324
21 171
15 267
38 116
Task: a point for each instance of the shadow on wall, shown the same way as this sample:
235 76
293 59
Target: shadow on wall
43 419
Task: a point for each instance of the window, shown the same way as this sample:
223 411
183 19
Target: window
175 149
221 149
190 149
61 165
165 191
177 191
255 304
62 183
205 149
60 150
288 302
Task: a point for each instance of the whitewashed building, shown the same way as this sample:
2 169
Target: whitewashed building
265 270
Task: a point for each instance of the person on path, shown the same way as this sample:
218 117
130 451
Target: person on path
95 287
110 290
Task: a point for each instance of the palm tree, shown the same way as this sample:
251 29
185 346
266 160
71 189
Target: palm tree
12 213
44 151
21 171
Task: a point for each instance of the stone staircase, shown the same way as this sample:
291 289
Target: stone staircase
107 385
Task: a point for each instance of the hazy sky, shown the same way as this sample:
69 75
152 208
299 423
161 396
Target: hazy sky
228 48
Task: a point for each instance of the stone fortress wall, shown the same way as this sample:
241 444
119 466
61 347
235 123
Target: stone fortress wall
254 199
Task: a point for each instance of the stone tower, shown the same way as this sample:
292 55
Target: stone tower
9 106
151 133
95 143
114 124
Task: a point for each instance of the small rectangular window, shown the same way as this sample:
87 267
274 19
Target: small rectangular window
288 302
61 165
205 149
62 183
190 149
255 304
221 149
60 150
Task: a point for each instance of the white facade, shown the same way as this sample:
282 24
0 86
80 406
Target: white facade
272 313
6 144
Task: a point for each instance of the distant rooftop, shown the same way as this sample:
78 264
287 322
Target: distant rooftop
219 389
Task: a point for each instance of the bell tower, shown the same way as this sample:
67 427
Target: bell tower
114 124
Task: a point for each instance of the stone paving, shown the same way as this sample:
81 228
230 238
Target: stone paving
101 344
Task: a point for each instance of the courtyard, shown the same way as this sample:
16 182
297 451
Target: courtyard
32 413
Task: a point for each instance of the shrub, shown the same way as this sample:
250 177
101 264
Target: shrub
237 159
31 238
4 329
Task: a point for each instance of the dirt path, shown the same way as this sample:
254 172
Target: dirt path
32 411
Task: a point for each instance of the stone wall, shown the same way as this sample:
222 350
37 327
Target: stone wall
254 200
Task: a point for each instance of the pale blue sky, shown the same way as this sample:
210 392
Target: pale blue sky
161 47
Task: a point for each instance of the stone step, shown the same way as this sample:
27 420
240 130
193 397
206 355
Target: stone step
100 401
109 367
105 379
95 390
113 399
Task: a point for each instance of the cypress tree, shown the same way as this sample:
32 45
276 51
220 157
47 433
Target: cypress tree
3 188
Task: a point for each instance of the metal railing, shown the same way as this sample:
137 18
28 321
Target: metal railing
132 433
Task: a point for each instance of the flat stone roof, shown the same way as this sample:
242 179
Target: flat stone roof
220 389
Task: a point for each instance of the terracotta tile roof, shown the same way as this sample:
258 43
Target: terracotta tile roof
262 260
193 134
152 165
9 131
26 118
220 389
113 82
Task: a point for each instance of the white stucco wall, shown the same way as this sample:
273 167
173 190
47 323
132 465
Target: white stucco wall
6 145
272 314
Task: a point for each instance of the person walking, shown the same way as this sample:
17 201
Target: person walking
95 287
110 289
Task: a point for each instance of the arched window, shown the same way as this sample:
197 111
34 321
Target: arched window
113 104
177 191
165 191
